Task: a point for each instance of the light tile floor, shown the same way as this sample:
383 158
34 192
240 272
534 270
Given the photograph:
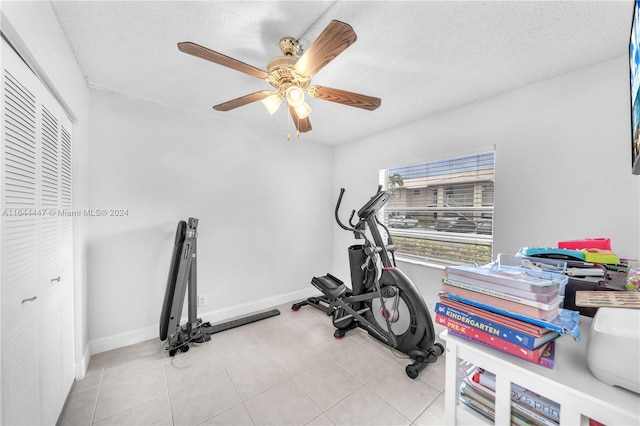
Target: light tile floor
285 370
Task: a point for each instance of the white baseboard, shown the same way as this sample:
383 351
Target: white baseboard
125 339
259 305
81 367
140 335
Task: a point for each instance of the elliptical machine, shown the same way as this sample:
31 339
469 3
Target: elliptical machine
382 300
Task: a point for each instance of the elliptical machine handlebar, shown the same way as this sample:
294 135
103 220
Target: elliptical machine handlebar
359 233
353 213
342 225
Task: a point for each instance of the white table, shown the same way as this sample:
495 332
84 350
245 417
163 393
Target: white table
570 383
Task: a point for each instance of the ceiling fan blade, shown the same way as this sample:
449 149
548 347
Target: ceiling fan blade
220 59
332 41
343 97
303 125
243 100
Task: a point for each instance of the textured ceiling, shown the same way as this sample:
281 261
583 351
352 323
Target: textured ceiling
421 58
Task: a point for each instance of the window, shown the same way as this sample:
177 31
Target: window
442 210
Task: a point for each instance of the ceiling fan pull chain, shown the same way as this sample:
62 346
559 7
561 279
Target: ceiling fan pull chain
286 117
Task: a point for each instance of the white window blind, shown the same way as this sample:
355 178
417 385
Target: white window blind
443 210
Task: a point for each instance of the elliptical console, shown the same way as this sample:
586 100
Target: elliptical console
382 300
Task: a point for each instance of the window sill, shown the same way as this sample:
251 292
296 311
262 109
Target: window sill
421 262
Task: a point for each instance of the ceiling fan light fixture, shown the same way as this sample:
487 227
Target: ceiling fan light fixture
295 96
272 102
303 110
290 74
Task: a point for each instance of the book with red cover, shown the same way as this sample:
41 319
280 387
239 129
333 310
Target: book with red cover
515 324
532 355
518 337
546 360
569 323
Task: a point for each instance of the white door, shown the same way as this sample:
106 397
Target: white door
35 250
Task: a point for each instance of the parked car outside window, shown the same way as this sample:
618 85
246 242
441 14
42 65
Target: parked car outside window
455 224
403 221
485 226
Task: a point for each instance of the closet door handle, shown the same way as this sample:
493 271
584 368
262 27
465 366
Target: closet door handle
31 299
56 279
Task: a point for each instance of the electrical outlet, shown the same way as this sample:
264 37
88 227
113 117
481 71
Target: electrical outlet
202 301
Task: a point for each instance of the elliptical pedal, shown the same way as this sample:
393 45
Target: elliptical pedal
330 286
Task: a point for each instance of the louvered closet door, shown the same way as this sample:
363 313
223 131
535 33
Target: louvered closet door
65 259
36 249
50 276
55 257
20 304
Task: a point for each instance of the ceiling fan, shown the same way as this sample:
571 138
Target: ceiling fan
291 75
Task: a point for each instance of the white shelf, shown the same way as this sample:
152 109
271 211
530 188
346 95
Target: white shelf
466 416
569 383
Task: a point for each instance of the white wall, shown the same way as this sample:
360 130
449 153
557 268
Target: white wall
563 167
261 201
33 29
562 172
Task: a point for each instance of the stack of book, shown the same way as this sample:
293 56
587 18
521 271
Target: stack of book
508 309
477 391
526 292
